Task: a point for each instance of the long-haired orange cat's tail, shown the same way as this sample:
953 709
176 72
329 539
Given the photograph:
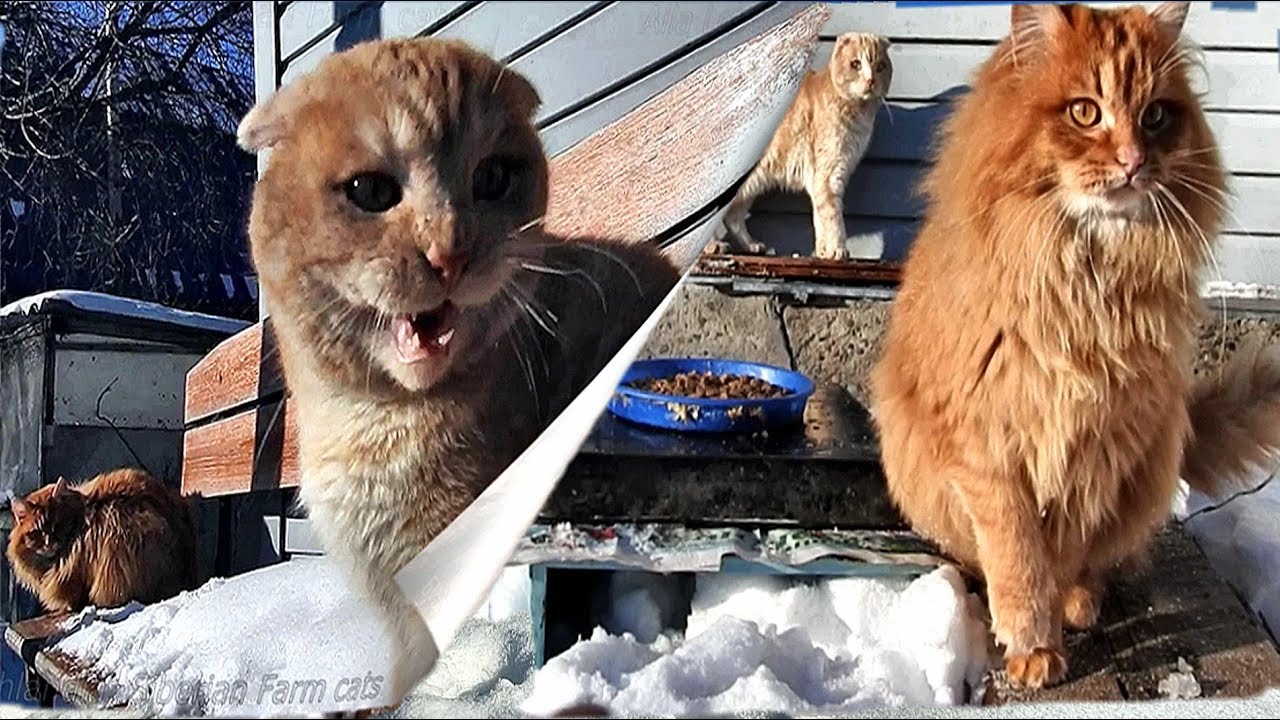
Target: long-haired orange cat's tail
1235 421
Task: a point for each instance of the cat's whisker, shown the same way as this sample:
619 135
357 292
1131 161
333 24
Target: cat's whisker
591 247
528 306
1207 249
531 224
1194 229
573 272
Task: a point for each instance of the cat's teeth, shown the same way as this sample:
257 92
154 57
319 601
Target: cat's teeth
445 338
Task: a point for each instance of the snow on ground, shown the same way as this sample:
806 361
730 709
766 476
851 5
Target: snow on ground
753 644
293 639
773 644
1241 539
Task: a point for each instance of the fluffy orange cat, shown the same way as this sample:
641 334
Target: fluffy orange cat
819 143
1035 401
427 327
119 537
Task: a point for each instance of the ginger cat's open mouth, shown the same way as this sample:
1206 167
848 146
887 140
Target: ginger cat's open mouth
424 335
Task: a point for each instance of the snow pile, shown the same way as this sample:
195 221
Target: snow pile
294 639
772 644
1241 539
289 638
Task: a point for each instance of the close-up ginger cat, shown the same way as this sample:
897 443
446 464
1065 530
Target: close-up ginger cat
1035 400
428 328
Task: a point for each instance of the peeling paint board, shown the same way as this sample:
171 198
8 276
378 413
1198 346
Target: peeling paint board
137 390
569 130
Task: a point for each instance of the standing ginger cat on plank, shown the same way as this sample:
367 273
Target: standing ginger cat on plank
428 328
1035 401
820 141
122 536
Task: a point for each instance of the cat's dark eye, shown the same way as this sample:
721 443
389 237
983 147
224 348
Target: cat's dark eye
856 64
1154 117
373 192
495 179
1085 113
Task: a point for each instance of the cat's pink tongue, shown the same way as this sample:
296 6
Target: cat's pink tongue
419 337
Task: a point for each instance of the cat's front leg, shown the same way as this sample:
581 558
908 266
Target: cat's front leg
735 219
1022 592
828 219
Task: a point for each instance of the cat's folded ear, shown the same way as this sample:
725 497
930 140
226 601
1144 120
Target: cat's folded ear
267 122
62 488
19 508
518 93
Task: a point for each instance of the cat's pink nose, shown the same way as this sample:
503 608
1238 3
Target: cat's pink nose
1131 159
448 265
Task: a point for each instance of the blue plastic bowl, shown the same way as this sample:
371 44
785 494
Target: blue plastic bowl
689 414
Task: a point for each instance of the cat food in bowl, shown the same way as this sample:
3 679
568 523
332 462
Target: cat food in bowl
711 395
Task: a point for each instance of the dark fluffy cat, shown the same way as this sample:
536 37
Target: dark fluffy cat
119 537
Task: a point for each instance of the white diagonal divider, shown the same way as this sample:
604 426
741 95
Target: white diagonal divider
453 575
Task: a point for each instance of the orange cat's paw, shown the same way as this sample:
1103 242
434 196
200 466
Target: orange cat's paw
1080 607
1037 669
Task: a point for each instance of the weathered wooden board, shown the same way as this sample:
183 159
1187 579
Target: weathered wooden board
256 449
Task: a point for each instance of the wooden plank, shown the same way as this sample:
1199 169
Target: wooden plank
499 29
227 377
891 190
1230 79
653 32
302 22
1178 608
782 268
1205 25
572 128
906 131
255 450
406 19
74 682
